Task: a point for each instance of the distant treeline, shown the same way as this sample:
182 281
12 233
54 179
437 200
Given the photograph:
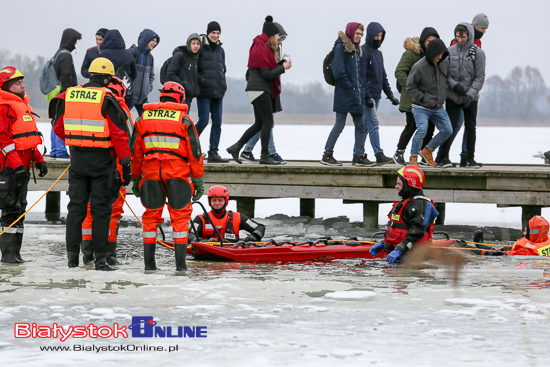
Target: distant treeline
522 95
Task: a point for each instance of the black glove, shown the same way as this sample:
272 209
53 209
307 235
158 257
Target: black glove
42 168
135 186
459 89
394 101
369 102
126 174
467 102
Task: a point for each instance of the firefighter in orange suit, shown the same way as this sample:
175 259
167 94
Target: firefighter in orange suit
90 120
119 90
19 138
536 241
228 223
167 164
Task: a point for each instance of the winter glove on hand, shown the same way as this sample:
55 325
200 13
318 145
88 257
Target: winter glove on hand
369 102
198 182
467 102
459 89
394 257
135 186
394 101
126 174
42 168
376 248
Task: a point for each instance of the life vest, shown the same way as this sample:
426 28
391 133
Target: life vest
524 247
23 131
162 130
228 226
397 229
85 126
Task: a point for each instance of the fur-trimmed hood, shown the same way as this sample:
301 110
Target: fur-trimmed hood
349 46
413 44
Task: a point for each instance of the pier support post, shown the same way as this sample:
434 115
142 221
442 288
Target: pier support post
246 206
441 207
53 206
528 212
370 214
307 208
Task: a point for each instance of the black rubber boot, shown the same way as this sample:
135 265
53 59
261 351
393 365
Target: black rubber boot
18 244
181 251
149 256
101 263
73 259
111 254
87 252
234 150
8 242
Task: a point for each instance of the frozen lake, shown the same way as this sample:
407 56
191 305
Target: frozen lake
492 312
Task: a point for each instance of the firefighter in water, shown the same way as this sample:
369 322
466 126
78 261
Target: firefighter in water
411 219
536 241
227 222
19 138
167 164
91 121
119 91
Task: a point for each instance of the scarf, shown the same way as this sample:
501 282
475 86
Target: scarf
261 56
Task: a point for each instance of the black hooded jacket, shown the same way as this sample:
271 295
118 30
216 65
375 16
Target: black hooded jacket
183 68
64 65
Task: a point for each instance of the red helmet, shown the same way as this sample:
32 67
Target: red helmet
118 87
9 73
174 90
413 175
218 191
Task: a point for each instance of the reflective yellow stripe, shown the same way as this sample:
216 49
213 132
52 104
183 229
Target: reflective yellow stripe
149 234
85 125
180 234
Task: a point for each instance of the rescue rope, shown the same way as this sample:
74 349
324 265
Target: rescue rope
481 243
22 215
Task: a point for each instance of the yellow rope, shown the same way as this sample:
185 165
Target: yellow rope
481 243
22 215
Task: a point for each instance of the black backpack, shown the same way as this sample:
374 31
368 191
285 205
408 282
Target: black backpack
164 70
327 67
123 75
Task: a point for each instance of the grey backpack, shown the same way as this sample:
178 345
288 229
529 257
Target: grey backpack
48 78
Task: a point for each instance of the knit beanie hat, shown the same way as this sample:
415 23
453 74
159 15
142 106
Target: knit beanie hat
101 32
213 26
270 28
480 21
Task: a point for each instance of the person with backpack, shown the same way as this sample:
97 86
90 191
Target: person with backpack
263 88
19 138
373 74
466 77
66 74
212 85
93 52
114 49
145 64
415 49
182 68
349 94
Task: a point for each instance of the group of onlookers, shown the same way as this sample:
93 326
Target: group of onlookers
429 76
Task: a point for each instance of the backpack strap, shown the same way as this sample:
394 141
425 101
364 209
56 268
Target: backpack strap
63 51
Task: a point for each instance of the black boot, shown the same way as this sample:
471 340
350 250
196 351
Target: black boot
234 150
18 244
8 242
87 252
463 160
73 259
181 252
101 263
111 254
149 256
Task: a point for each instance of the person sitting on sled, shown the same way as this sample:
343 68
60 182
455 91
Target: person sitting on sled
227 222
535 241
411 219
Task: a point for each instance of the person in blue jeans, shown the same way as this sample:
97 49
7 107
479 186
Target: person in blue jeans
374 76
213 85
427 85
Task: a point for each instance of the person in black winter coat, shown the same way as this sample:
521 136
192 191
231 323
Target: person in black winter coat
66 73
183 67
92 53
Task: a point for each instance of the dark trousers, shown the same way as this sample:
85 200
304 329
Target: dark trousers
409 130
470 122
89 182
9 215
263 116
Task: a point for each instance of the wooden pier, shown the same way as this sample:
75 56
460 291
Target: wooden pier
527 186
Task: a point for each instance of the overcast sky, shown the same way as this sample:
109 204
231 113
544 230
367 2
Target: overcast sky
516 36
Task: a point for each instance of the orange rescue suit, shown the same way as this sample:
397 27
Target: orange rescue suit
536 242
